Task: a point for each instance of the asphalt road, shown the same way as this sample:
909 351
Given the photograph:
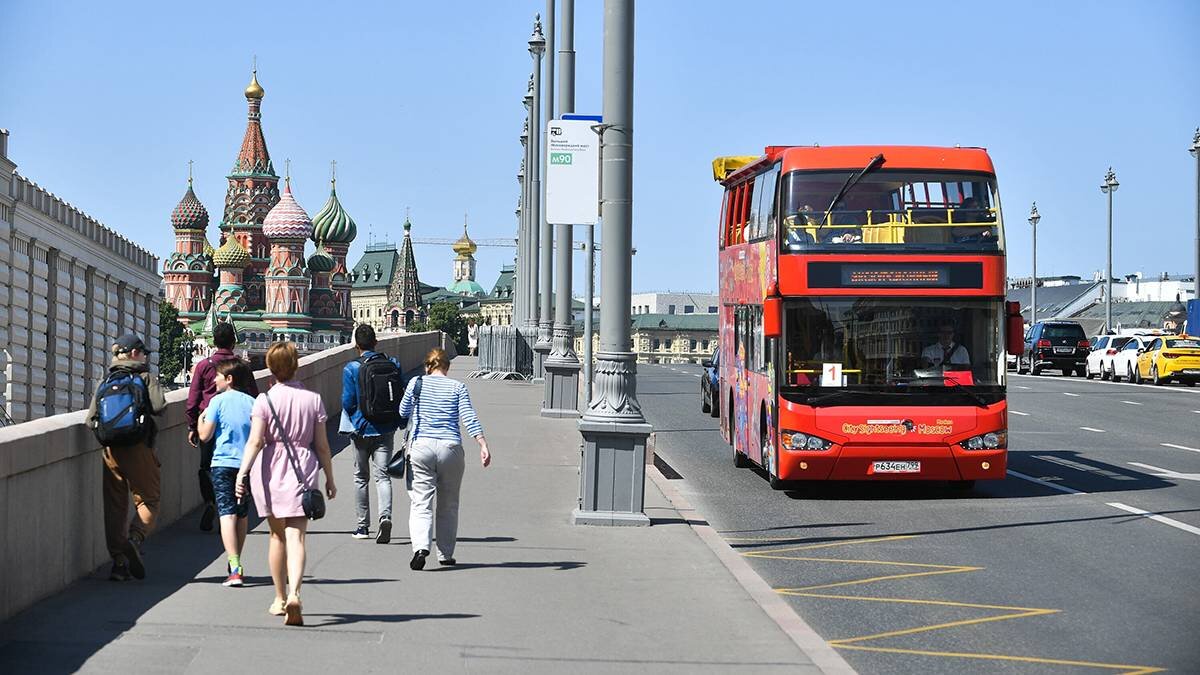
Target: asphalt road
1059 568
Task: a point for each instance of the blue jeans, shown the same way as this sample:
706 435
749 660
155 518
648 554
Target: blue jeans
373 452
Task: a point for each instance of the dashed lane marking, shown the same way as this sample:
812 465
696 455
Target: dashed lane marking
1067 393
1099 431
1045 483
1156 517
923 570
1131 402
1109 383
1179 447
1020 386
1160 472
1018 412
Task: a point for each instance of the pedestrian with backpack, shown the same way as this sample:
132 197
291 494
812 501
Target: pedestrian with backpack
288 445
200 393
121 417
437 405
372 387
226 421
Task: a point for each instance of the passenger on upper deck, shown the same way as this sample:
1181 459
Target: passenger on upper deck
971 212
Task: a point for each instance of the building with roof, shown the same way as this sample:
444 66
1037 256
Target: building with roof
497 308
464 267
264 283
674 303
664 338
386 290
71 286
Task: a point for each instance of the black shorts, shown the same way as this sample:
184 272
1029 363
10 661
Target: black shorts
224 485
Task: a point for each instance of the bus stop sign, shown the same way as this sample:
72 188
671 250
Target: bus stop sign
573 171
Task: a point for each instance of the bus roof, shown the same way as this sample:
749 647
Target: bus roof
805 157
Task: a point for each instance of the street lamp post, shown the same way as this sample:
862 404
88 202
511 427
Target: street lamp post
1195 150
1033 220
546 250
561 396
533 169
1109 187
613 427
519 299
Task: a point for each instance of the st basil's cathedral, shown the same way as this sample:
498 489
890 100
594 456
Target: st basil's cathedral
259 277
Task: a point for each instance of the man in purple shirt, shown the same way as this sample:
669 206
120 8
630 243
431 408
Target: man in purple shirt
203 388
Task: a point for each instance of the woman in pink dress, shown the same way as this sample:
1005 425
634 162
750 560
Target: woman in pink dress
272 477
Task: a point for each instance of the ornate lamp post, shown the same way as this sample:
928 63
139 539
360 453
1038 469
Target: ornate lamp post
1034 217
1109 186
533 168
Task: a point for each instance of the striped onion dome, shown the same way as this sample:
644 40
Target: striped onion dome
321 261
332 223
231 255
189 213
287 220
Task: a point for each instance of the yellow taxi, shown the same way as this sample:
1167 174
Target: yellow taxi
1170 357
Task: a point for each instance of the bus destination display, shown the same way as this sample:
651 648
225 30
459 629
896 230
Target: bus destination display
895 275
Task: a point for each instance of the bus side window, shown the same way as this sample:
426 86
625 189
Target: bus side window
764 203
723 238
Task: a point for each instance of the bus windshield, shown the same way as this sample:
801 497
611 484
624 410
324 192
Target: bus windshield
901 209
947 347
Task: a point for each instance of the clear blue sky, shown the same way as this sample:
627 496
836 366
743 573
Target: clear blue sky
420 105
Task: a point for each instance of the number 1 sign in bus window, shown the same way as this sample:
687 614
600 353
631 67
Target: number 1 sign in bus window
831 375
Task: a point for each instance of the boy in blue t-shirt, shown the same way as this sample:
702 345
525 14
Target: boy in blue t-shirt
228 418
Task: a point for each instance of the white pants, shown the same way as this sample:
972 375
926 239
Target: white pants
435 468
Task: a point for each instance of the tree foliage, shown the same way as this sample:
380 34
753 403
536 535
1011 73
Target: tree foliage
444 316
171 342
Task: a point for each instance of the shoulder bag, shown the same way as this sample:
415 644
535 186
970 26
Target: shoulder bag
312 500
398 464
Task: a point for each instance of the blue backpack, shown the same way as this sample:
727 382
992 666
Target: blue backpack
121 403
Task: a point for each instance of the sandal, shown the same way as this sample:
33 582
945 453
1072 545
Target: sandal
292 611
276 608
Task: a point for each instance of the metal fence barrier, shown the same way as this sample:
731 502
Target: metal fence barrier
504 353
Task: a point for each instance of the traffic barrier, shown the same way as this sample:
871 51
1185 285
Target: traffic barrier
503 350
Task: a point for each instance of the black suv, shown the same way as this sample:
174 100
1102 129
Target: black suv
1059 345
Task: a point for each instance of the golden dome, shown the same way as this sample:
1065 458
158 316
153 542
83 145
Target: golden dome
464 247
254 89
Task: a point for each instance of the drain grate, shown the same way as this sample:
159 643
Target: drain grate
665 469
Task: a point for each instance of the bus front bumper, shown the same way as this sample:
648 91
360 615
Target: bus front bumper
893 462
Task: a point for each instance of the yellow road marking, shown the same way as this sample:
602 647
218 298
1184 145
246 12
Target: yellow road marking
929 570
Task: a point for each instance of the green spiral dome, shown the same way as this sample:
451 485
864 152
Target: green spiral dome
321 261
332 223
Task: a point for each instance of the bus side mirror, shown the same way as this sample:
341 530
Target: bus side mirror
772 317
1015 326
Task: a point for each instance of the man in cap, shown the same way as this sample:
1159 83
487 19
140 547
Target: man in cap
131 468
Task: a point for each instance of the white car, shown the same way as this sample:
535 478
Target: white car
1104 350
1124 362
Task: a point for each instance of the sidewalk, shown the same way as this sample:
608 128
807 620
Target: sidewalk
531 593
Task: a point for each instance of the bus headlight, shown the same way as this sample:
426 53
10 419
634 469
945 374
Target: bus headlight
993 440
795 440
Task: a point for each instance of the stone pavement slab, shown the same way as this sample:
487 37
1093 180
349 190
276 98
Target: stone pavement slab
531 593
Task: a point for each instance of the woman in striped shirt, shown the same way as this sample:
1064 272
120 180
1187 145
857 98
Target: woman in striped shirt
436 458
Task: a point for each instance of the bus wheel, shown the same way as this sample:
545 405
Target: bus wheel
769 464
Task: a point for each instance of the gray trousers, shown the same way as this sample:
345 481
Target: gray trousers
371 453
435 468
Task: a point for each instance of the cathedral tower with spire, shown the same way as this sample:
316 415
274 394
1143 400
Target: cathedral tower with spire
188 271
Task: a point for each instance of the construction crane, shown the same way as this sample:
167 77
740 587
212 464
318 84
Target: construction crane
511 243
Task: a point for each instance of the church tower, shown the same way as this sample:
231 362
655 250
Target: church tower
188 272
333 232
287 228
464 266
253 191
404 292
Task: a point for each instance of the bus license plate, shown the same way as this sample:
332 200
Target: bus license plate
896 467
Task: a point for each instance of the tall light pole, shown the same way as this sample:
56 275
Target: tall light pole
561 396
1109 186
546 251
1195 150
1033 220
527 273
537 47
518 297
613 427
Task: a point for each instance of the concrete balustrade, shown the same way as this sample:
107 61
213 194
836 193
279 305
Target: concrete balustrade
51 470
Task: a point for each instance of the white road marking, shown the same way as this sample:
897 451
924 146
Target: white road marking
1045 483
1154 516
1160 472
1106 383
1099 431
1179 447
1018 412
1020 386
1131 402
1067 393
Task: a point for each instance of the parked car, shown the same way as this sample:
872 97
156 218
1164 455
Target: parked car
1100 359
710 397
1171 357
1058 345
1124 362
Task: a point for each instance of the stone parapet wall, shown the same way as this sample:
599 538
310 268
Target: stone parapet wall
50 477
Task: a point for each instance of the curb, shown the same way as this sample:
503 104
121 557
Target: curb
823 656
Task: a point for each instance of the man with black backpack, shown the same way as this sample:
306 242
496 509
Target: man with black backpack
120 416
372 387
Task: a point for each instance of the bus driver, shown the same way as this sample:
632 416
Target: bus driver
946 352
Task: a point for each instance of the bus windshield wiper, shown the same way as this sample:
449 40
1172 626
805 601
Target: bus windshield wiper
823 398
949 384
875 163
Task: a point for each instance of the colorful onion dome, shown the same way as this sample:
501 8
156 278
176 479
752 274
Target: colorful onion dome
254 89
332 223
189 213
208 249
287 220
321 261
464 247
231 255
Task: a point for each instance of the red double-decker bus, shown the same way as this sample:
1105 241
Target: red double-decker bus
863 321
